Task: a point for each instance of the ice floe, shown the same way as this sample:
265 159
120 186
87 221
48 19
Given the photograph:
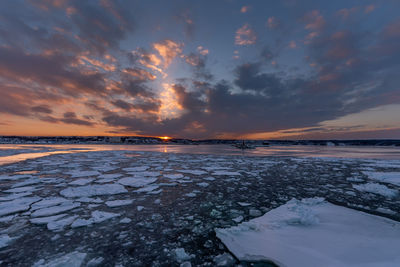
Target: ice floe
17 205
69 205
82 181
136 181
117 203
97 217
387 177
376 188
313 232
73 259
93 190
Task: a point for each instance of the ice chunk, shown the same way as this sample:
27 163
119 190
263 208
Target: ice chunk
61 224
387 177
315 233
229 173
97 217
203 184
117 203
181 255
147 189
75 174
46 220
139 208
48 202
375 188
224 260
93 190
4 240
21 189
95 262
82 181
55 209
136 181
194 172
173 176
136 169
17 205
73 259
125 220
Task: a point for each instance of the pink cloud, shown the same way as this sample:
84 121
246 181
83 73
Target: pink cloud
245 36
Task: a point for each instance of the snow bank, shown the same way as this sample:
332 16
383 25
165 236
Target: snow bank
313 232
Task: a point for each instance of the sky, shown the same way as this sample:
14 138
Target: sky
201 69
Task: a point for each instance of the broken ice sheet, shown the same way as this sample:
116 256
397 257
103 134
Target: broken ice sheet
315 233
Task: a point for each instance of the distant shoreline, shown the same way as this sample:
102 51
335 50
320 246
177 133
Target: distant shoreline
138 140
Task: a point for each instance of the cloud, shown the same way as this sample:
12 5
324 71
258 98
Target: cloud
168 50
245 36
245 9
71 118
368 9
273 23
314 21
203 51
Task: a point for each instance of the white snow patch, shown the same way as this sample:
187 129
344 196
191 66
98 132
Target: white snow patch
315 233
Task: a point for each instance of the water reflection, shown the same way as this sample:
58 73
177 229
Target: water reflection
295 151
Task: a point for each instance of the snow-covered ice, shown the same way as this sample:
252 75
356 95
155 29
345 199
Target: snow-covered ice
313 232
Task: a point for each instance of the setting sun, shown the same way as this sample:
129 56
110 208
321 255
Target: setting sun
165 137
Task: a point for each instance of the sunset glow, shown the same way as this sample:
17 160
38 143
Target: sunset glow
288 69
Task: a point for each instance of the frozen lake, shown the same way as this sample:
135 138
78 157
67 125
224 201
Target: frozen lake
111 205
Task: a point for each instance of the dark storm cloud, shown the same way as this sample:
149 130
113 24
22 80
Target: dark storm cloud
42 109
71 118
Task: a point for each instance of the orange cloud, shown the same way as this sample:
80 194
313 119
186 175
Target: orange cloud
244 9
168 50
141 74
202 50
245 36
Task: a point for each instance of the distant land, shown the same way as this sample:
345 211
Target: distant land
163 140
